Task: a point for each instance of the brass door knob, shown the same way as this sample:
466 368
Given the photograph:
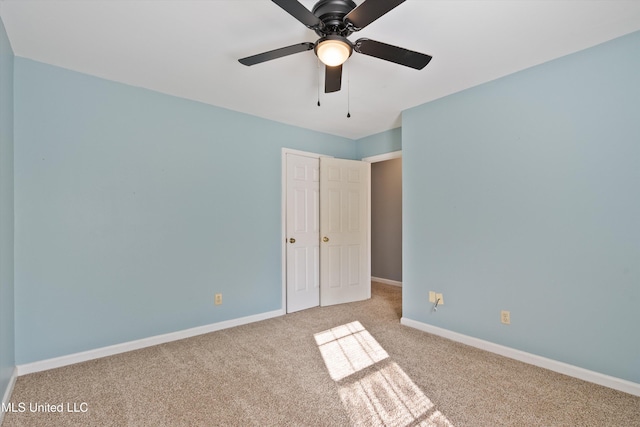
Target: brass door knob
325 239
292 240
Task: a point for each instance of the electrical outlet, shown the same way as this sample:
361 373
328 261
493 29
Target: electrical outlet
505 317
218 299
432 296
439 297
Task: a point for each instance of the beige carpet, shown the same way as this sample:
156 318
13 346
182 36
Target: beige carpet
352 364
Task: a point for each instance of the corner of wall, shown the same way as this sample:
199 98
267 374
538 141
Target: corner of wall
379 143
7 335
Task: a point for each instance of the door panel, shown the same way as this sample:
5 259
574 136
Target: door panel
345 274
303 226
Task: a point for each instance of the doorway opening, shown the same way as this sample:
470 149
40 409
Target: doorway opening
385 257
386 218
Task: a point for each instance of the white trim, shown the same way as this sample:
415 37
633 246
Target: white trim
369 237
386 281
84 356
383 157
302 153
532 359
7 393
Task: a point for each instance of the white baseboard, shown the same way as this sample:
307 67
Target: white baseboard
532 359
84 356
386 281
7 393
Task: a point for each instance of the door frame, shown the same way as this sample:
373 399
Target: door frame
375 159
382 157
283 207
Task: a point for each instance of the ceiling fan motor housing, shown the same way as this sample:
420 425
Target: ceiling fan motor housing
331 13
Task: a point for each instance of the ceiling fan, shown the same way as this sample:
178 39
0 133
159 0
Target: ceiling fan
334 21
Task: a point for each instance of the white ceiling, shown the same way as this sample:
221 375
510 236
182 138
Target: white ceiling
190 49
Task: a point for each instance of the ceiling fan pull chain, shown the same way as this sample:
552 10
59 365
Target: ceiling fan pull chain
319 78
348 91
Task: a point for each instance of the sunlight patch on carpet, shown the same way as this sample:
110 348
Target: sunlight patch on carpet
386 396
348 349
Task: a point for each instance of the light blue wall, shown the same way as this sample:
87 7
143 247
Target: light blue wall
133 208
7 362
523 194
379 143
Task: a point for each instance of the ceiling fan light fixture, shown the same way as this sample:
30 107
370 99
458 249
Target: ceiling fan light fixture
333 51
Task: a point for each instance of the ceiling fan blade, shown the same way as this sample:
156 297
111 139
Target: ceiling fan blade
332 78
301 13
369 11
276 53
396 54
